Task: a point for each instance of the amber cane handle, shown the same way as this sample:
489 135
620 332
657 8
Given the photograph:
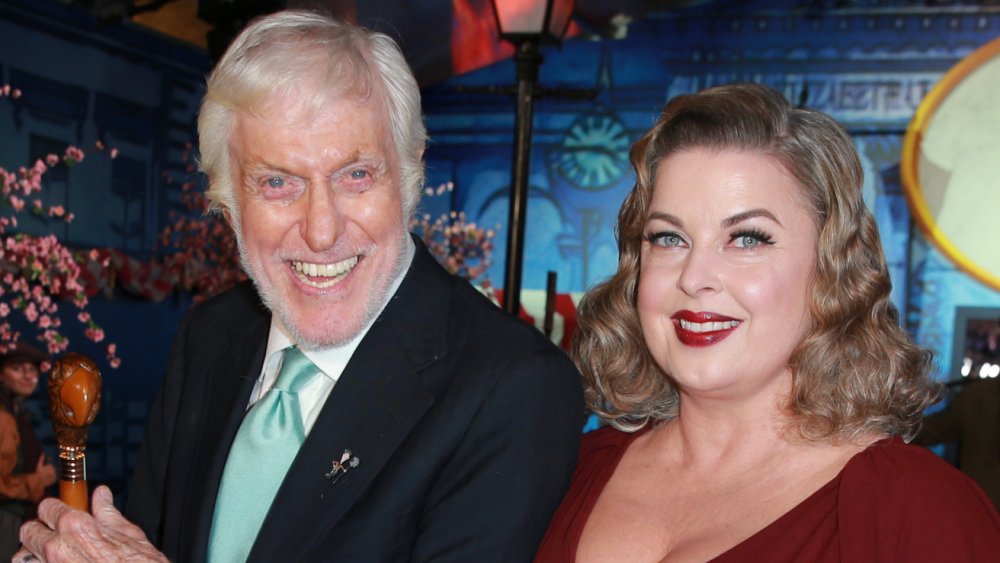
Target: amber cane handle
74 398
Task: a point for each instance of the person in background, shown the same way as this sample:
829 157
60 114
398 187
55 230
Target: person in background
972 419
746 356
357 402
25 471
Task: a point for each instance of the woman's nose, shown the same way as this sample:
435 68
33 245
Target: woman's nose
701 271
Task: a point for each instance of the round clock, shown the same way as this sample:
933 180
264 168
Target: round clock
593 154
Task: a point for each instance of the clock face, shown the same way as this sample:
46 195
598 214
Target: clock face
594 153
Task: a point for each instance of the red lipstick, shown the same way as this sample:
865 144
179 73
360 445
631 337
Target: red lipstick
702 328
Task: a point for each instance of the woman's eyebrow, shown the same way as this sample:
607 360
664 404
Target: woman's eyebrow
744 215
666 217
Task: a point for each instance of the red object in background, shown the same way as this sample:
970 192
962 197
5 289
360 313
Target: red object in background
522 314
565 309
475 39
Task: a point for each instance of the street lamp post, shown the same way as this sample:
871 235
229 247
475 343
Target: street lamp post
527 24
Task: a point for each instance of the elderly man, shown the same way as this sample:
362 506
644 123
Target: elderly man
374 408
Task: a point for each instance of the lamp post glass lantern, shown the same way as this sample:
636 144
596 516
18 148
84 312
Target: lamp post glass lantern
527 24
519 20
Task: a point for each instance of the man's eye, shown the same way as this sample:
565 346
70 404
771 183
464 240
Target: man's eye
275 182
359 174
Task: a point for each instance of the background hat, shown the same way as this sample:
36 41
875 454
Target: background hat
24 352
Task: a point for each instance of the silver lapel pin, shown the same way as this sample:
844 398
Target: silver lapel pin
339 468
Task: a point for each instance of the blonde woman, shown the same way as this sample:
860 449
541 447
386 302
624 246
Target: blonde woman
748 360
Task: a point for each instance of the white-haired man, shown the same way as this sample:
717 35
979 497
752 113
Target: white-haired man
421 423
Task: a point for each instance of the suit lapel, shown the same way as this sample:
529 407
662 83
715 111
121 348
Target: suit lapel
230 381
376 402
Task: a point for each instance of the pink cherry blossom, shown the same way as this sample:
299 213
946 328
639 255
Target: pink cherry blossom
95 334
73 155
37 270
463 248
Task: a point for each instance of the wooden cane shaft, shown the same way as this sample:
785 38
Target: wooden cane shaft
74 493
73 477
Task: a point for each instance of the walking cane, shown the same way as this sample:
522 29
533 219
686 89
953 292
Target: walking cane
74 398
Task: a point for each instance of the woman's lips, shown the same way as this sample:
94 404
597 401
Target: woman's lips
702 328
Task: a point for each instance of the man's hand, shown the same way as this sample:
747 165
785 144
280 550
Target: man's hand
62 533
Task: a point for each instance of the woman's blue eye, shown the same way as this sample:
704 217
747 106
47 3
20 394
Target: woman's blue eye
275 182
751 239
665 239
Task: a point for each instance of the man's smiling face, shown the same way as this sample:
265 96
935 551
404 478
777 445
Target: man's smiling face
319 205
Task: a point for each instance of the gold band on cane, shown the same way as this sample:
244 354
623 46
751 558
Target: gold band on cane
72 464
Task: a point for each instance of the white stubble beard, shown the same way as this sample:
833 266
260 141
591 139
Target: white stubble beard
376 299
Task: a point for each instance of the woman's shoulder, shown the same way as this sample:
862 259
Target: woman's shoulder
898 468
896 496
600 452
607 443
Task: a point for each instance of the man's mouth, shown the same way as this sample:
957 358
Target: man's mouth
322 276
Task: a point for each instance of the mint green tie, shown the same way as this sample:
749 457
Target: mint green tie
264 448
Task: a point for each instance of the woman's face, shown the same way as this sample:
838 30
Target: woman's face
726 267
20 377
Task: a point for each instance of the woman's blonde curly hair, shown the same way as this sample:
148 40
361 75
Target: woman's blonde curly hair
857 372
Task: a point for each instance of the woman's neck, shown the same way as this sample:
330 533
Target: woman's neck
712 428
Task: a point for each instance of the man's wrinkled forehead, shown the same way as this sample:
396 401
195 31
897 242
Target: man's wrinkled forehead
297 114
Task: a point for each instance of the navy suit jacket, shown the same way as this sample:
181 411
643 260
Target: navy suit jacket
466 423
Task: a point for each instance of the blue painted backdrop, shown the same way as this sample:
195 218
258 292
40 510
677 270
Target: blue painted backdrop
867 63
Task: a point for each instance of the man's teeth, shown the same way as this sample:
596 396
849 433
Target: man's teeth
707 327
335 272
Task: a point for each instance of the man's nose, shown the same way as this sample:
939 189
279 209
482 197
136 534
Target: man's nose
321 223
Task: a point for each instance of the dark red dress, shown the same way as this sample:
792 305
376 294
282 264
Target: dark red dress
891 502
